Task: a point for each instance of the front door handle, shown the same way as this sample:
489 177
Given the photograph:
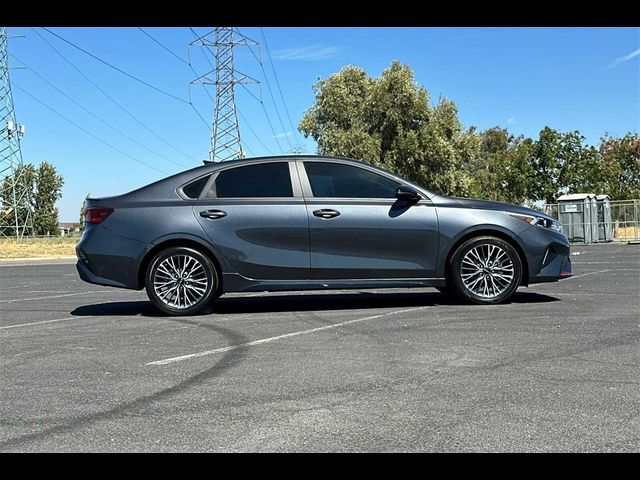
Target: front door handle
213 214
326 213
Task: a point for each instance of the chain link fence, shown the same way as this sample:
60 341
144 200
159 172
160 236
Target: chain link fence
596 222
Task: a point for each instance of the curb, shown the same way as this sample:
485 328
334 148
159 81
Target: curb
14 262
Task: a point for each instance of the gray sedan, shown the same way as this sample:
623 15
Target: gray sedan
310 222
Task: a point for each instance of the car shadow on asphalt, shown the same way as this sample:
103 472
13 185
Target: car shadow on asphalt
278 302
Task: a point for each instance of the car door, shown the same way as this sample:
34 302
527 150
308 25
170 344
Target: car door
256 217
358 229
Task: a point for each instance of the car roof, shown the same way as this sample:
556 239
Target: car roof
286 158
166 187
289 157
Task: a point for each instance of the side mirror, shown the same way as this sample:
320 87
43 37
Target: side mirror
404 192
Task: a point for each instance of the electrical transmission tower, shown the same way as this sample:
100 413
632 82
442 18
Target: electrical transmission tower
15 209
225 137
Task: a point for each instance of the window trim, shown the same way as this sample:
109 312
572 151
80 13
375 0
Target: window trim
293 178
308 192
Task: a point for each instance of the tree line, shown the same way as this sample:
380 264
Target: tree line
390 122
40 188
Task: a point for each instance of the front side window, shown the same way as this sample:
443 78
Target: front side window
261 180
347 181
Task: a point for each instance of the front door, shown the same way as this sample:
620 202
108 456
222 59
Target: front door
256 217
359 230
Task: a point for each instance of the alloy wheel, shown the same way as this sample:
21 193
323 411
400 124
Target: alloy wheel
180 281
487 271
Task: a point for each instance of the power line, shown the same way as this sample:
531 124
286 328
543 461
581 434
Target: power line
225 137
96 116
87 131
275 75
259 100
206 124
186 63
116 103
266 80
116 68
248 124
164 47
275 135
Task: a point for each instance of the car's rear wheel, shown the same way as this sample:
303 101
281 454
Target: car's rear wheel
181 281
485 270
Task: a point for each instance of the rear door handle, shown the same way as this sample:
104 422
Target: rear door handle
213 214
326 213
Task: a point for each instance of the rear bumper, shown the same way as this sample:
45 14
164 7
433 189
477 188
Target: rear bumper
106 258
88 276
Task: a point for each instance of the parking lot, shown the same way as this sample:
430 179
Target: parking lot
90 368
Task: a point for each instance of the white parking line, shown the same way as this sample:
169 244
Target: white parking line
77 317
604 263
52 296
279 337
590 273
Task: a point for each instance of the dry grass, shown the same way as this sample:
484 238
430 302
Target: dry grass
38 247
626 233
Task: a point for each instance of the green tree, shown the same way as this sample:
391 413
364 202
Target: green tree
389 122
621 157
503 170
48 186
562 163
587 172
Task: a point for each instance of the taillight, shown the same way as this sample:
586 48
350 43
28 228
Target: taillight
96 215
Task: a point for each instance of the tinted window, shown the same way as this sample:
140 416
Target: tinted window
193 189
346 181
262 180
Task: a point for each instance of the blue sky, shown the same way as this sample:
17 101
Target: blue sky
585 79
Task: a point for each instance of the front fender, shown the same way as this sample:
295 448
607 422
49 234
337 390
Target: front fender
458 224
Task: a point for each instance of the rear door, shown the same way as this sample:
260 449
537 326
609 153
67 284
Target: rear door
359 230
255 215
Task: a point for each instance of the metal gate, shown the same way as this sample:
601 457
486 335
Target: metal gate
619 222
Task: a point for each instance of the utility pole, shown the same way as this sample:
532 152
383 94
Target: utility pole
225 137
15 209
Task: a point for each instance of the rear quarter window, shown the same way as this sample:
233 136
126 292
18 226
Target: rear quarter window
193 189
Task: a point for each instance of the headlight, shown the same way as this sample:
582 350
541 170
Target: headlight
554 225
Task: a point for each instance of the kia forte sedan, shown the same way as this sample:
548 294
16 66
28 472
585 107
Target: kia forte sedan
310 222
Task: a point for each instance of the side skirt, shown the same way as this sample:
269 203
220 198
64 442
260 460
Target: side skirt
233 282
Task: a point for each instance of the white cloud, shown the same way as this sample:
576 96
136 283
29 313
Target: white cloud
282 135
314 52
626 58
511 120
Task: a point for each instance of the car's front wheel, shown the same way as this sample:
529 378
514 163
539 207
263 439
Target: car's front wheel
181 281
485 270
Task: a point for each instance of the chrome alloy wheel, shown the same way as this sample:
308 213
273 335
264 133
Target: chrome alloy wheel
180 281
487 271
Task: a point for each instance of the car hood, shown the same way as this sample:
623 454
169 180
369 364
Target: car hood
475 203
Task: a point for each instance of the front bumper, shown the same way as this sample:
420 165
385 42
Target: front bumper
554 265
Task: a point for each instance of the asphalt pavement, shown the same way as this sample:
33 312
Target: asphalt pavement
90 368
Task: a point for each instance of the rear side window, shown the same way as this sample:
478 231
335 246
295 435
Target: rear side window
347 181
193 189
261 180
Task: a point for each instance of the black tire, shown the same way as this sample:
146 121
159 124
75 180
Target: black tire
188 289
495 286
